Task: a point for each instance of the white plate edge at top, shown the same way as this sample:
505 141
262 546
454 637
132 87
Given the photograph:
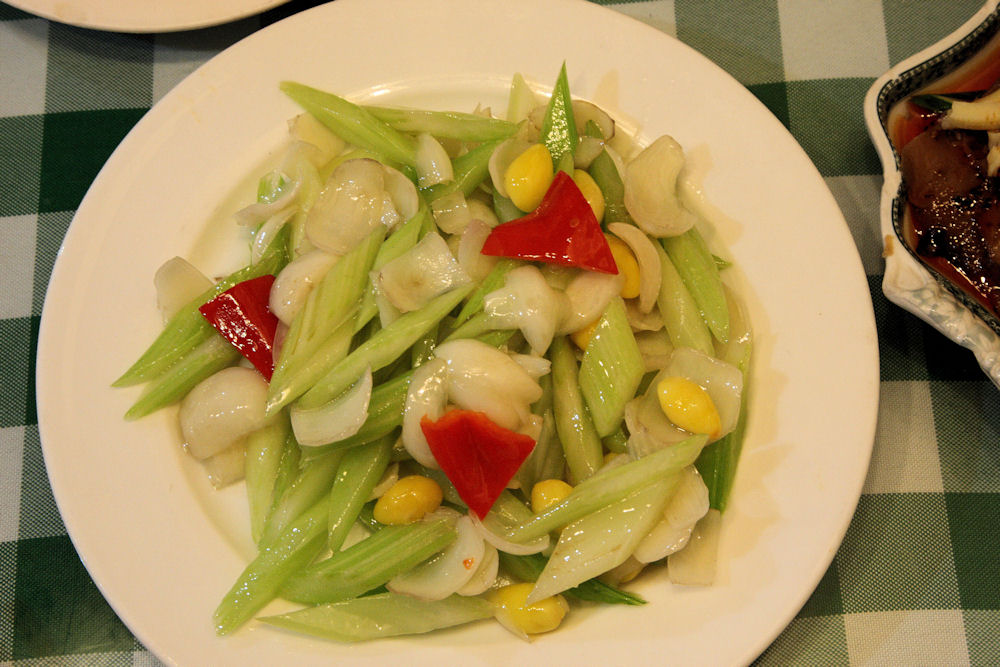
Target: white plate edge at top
766 458
144 16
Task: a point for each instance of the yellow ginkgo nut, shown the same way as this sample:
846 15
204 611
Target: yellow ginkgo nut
688 406
628 267
591 191
528 177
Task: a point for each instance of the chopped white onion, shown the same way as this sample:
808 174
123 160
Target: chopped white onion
480 210
267 231
427 395
650 184
306 128
432 162
469 252
584 111
491 531
222 409
445 573
589 294
420 274
640 321
177 283
646 257
695 564
402 192
254 214
528 303
336 420
293 284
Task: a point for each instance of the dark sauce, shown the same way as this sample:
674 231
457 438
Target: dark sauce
952 217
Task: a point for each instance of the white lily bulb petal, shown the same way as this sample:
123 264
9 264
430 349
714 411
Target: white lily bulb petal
650 274
402 192
306 128
650 184
350 206
469 253
485 575
589 294
502 156
267 231
528 303
427 396
482 378
228 466
722 381
451 212
336 420
293 283
445 573
222 409
480 210
432 162
685 508
177 283
425 271
256 213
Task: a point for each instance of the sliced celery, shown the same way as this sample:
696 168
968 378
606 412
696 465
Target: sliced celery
260 581
604 171
265 449
383 348
188 328
447 124
546 460
611 369
401 240
680 313
696 267
580 442
382 615
360 470
602 540
493 280
611 485
352 123
313 482
470 170
527 568
616 442
521 100
559 132
370 563
210 356
297 378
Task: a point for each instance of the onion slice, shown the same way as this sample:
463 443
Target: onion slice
432 162
650 184
589 294
528 303
425 271
427 396
177 283
695 564
336 420
646 257
684 509
351 205
448 571
294 283
469 254
222 409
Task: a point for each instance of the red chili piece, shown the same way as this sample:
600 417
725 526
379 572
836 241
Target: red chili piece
562 230
241 315
477 455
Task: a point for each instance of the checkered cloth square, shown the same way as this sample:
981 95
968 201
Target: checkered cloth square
917 578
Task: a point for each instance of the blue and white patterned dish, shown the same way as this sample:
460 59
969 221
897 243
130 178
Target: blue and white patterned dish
908 282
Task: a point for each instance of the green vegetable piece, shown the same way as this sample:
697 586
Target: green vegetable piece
580 441
559 132
528 568
604 171
680 313
697 269
311 484
360 470
383 615
470 170
445 124
265 449
353 124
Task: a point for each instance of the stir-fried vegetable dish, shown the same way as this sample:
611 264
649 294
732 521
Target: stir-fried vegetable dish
478 366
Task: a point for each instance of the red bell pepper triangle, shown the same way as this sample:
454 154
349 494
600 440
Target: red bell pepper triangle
562 230
241 315
477 455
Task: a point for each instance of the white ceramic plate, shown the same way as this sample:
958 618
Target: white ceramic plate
164 548
144 15
907 281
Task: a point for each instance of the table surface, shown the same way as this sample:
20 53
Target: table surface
917 578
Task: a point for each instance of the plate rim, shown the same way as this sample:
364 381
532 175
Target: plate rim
98 15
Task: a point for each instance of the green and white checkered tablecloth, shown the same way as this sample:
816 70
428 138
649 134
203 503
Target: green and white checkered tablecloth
917 579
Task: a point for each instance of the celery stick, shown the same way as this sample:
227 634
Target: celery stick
312 483
383 348
369 563
521 100
352 123
448 124
360 470
296 378
559 132
288 470
505 209
262 578
382 615
210 356
611 485
611 369
527 568
616 442
493 280
470 169
580 442
423 349
385 413
265 449
188 328
696 267
604 171
546 460
680 313
602 540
